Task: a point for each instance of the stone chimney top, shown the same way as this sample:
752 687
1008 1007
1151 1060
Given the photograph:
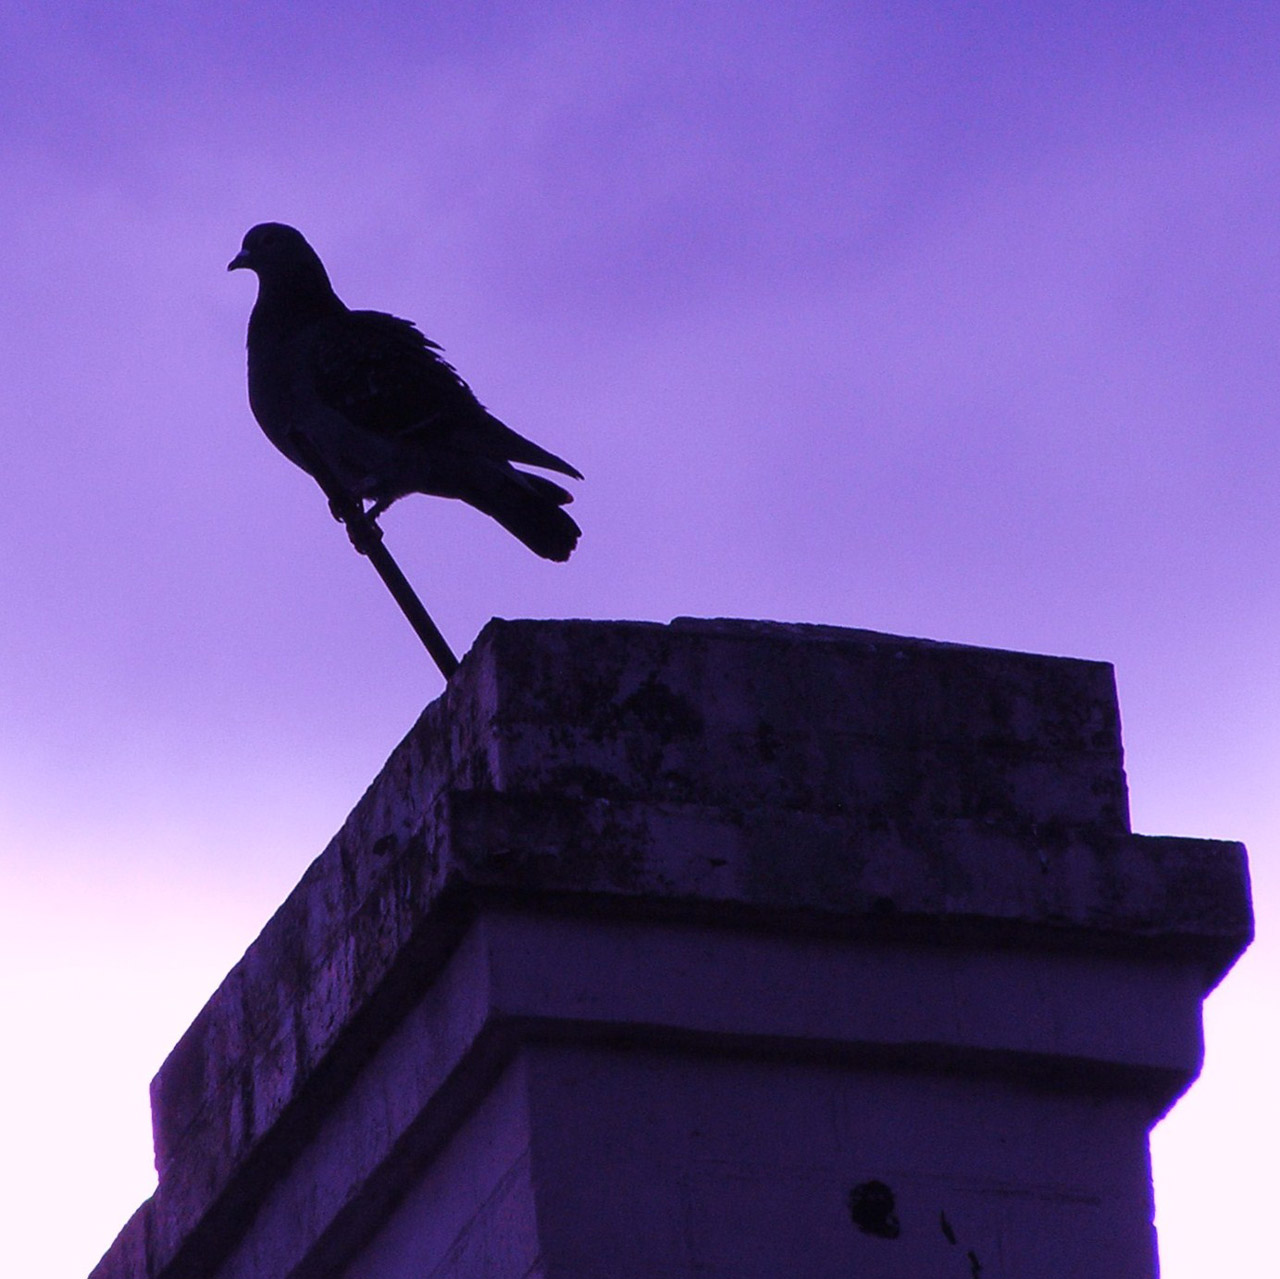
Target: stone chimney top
792 781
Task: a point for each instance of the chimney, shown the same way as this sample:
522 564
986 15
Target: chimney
719 949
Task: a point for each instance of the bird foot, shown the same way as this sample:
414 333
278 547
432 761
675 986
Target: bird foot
363 532
343 508
361 525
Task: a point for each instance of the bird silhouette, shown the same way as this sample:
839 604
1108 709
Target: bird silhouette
368 406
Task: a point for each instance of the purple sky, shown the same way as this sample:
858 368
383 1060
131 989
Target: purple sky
954 320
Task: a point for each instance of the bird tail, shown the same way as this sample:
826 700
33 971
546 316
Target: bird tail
528 507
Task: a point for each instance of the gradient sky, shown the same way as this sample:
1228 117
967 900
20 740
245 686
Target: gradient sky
953 320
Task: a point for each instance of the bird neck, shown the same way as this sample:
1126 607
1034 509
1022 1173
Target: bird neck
300 297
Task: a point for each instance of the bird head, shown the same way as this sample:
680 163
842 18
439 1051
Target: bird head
271 248
286 266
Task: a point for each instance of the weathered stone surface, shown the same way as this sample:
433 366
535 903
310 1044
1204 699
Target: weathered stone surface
857 790
806 718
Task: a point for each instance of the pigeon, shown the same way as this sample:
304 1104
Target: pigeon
370 408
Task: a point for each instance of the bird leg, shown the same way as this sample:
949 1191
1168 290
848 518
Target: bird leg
366 537
361 526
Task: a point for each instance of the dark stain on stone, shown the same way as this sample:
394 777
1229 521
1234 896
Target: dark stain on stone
871 1208
768 743
657 709
1051 837
582 781
385 846
676 787
476 768
419 849
975 1266
550 841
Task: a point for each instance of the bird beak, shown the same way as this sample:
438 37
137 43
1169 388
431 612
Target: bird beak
241 259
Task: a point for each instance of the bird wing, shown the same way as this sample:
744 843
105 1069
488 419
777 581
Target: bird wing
385 377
